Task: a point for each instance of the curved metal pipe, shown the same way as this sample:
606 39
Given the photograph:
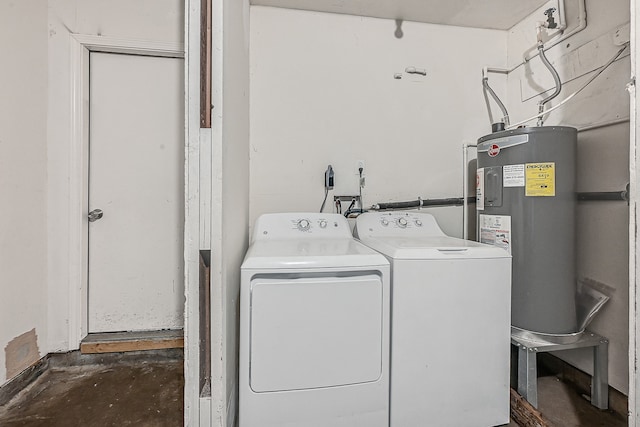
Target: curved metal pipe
568 98
487 88
556 79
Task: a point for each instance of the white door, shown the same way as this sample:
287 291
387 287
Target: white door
136 157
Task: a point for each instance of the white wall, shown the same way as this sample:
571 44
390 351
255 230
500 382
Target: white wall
603 155
23 175
323 92
154 20
230 195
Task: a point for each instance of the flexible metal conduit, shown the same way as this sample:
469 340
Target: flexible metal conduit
556 39
487 88
451 201
568 98
556 79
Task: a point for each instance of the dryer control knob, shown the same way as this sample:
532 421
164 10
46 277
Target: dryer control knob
384 222
418 223
304 225
402 222
322 223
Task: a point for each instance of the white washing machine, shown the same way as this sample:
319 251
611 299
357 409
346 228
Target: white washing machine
314 326
450 322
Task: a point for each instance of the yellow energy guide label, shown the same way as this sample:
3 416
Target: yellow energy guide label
540 179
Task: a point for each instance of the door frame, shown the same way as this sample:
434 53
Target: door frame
634 221
81 47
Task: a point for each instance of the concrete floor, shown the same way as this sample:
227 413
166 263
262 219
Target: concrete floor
124 392
146 389
563 406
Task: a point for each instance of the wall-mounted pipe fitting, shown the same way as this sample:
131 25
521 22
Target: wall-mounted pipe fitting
605 196
414 70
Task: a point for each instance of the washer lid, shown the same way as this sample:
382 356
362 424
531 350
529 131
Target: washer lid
416 235
310 253
436 247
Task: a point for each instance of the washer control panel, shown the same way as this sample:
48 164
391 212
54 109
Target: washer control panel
398 223
400 220
301 225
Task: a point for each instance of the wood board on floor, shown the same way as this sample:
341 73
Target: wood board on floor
524 414
114 342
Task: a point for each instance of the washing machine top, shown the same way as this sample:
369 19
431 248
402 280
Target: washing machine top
416 235
306 240
399 224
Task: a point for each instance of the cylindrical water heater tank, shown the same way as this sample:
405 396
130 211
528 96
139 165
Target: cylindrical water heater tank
526 202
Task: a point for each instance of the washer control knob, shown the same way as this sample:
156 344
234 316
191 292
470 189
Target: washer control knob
384 222
418 223
304 225
402 222
322 223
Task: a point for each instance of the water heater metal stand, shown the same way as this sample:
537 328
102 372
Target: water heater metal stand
527 371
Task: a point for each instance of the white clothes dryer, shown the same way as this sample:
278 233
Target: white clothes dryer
450 322
314 326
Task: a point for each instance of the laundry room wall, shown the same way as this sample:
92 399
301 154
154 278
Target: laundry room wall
603 153
323 92
149 20
23 179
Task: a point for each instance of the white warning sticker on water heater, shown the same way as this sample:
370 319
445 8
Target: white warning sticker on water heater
513 175
495 230
480 189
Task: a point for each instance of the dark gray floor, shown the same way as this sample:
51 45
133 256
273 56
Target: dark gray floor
564 406
134 392
147 390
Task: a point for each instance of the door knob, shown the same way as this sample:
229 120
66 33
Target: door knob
95 215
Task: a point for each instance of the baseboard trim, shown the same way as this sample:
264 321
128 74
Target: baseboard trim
18 383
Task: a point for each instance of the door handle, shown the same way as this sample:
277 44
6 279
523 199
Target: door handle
95 215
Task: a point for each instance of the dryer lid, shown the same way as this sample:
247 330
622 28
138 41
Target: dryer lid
301 226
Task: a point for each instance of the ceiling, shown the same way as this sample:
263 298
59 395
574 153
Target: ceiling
495 14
